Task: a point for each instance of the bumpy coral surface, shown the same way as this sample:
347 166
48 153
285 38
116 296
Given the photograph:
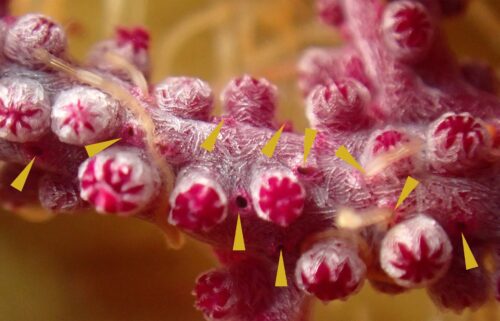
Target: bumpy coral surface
394 95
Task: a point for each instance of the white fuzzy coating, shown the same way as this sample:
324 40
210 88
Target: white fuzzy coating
84 115
185 97
260 181
24 109
30 32
409 233
334 253
123 161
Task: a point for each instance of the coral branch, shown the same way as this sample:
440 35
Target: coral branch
394 97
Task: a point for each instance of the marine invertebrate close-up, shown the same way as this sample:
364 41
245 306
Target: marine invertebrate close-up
395 181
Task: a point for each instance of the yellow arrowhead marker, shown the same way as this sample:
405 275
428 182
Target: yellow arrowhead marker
20 180
281 274
344 155
309 137
270 146
239 240
470 260
410 185
209 143
99 147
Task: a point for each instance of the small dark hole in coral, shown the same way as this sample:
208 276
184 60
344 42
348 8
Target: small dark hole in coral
302 170
131 132
241 202
305 170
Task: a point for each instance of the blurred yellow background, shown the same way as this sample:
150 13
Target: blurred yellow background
102 268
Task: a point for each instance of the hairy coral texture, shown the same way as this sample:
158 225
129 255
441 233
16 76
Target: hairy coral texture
395 84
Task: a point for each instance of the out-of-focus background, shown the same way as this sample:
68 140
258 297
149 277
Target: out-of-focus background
102 268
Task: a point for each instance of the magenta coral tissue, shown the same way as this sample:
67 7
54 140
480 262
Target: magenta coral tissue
394 96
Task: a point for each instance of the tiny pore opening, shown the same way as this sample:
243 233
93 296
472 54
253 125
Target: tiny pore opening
305 170
241 202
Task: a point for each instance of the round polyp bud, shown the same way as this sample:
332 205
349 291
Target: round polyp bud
214 295
24 110
408 29
330 12
118 181
198 202
83 115
339 106
130 44
277 196
185 97
384 142
456 142
31 32
251 100
416 252
330 270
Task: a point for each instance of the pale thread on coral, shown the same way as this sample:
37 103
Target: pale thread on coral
384 160
353 220
117 92
135 74
174 236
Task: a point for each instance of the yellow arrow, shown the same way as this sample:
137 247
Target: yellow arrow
309 137
270 146
96 148
409 186
209 143
20 180
281 280
239 240
470 260
344 155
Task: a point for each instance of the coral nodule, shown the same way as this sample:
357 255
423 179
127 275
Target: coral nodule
393 98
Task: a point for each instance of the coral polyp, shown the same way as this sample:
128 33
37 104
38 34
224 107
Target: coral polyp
394 98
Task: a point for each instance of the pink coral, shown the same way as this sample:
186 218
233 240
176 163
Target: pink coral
394 86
